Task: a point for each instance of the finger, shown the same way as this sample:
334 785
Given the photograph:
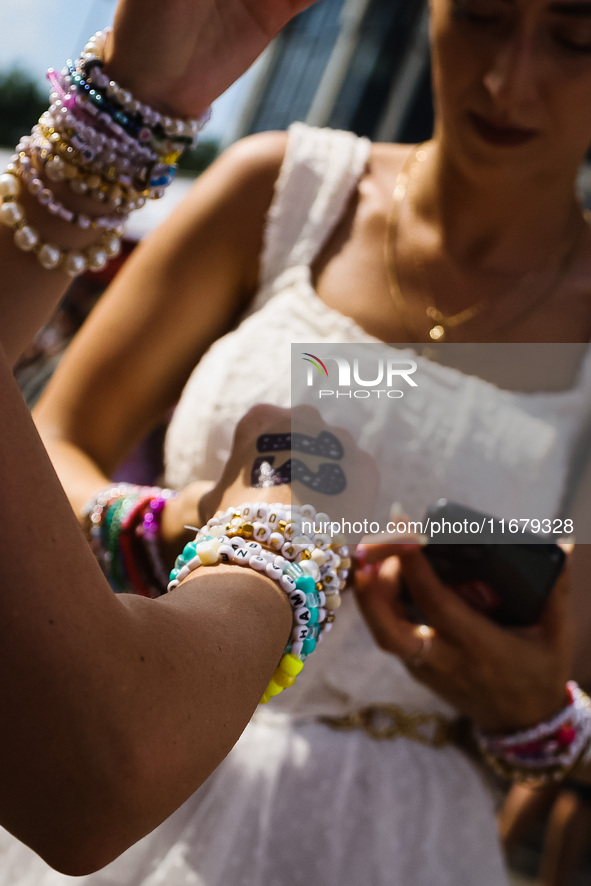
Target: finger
377 590
374 552
449 614
555 620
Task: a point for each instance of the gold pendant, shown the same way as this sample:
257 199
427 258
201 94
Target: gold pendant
437 333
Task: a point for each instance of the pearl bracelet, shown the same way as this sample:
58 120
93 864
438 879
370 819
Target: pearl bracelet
72 261
545 752
309 569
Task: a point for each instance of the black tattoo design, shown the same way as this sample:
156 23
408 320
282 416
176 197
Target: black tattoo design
329 479
325 445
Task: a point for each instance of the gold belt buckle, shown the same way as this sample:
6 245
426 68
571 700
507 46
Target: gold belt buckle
388 721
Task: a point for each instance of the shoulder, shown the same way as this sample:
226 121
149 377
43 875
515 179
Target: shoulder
251 163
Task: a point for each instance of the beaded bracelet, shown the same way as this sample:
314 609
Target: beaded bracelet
50 256
123 524
105 143
545 752
308 568
93 52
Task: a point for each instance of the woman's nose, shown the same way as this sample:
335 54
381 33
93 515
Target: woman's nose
511 77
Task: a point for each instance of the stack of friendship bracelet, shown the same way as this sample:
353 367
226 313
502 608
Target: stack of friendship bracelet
123 523
102 142
309 568
545 752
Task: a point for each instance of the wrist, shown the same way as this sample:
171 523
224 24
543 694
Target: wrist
546 751
147 85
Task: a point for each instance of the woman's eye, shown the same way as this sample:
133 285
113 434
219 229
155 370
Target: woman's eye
477 11
577 44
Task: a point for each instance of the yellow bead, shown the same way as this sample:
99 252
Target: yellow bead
283 679
273 688
291 665
264 699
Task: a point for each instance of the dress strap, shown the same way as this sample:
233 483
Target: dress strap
320 171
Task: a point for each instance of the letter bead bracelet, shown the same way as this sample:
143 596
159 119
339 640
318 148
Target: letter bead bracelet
309 569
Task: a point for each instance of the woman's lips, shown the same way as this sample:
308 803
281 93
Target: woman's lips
500 135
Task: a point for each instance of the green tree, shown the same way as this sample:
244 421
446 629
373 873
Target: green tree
21 103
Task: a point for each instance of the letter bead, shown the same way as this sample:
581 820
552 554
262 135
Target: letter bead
297 598
275 541
273 571
258 563
287 583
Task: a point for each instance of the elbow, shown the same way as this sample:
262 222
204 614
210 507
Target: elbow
79 828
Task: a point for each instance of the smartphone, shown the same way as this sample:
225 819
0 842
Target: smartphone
508 582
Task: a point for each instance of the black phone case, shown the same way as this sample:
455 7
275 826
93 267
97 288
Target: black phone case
509 583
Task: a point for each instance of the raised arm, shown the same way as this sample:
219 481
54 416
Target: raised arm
119 706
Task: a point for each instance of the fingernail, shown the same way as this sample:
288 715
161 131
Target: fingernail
395 510
361 554
368 569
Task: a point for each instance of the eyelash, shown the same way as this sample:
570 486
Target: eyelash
576 48
463 13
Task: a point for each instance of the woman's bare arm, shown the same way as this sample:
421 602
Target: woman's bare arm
116 708
119 706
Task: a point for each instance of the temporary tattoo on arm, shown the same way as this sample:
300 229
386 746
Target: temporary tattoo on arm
325 445
329 479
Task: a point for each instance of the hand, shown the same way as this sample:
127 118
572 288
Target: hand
180 55
273 476
504 679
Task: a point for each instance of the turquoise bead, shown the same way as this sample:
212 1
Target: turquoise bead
173 574
312 599
189 551
306 584
313 616
309 646
294 571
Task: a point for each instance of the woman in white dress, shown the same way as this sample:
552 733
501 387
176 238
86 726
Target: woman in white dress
321 237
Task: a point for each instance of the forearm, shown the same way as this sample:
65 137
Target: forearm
134 700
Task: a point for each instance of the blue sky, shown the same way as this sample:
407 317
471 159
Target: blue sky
38 34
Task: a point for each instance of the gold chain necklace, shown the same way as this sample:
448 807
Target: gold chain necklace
442 322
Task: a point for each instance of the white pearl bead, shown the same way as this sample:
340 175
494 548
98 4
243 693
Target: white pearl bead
26 238
9 185
112 246
97 258
74 263
49 256
11 214
78 186
309 567
54 170
319 557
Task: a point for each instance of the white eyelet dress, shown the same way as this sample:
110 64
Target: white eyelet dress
297 803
